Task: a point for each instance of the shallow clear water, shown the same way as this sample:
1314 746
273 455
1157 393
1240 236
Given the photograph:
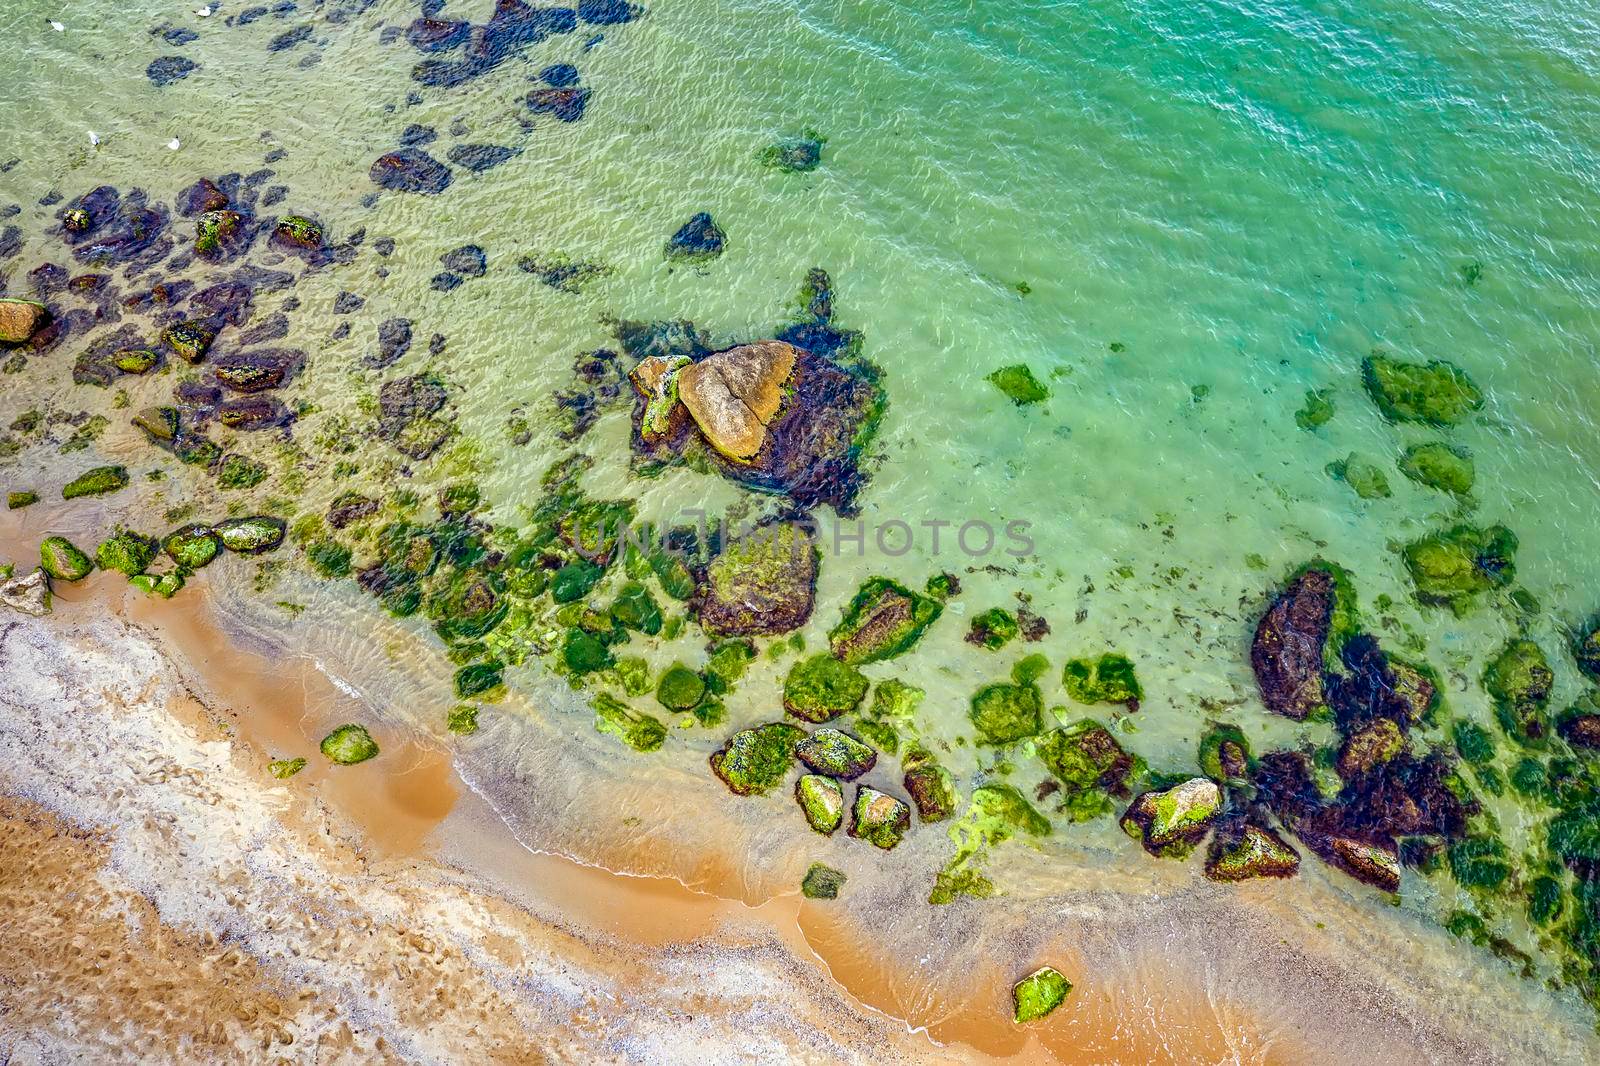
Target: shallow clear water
1181 216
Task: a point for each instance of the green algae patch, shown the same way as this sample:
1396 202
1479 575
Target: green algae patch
283 769
1479 863
97 482
349 744
480 680
822 882
1445 467
1019 384
1363 476
892 713
237 473
727 664
1473 743
126 552
1108 679
820 688
251 535
575 581
997 813
636 609
63 560
835 753
883 620
16 501
1519 681
1037 994
822 801
1090 766
754 761
993 629
164 585
192 546
878 818
585 653
1225 753
680 688
1317 411
1452 568
640 731
1436 392
1006 712
462 719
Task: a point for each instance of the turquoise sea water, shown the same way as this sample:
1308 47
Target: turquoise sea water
1181 216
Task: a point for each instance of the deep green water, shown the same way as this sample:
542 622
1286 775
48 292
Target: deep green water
1181 216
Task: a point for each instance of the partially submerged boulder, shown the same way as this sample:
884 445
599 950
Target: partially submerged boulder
883 620
1305 624
931 787
756 760
1108 679
822 800
822 882
97 482
1171 822
1246 850
251 535
1037 994
349 744
762 583
63 560
29 594
1089 765
1376 742
1452 568
835 753
732 395
821 688
878 818
20 319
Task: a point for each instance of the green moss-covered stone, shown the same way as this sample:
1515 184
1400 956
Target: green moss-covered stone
62 559
189 341
299 231
1317 411
135 360
680 688
727 664
821 688
1545 900
822 800
1519 680
878 818
585 653
636 609
761 583
883 620
1361 474
993 629
575 580
1170 823
251 535
835 753
285 768
1439 466
16 501
756 760
1435 392
1090 766
349 744
1108 679
822 882
1019 384
1250 851
96 482
931 787
1006 712
1037 994
160 424
126 552
1452 568
640 731
462 719
1225 753
164 585
479 678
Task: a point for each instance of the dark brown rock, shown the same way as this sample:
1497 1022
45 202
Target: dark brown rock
1287 654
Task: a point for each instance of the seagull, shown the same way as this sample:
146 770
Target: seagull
174 144
204 12
94 139
54 25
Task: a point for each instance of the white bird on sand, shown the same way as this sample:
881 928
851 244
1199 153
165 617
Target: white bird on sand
54 25
94 139
174 144
204 12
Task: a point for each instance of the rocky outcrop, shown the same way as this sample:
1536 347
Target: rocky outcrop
1172 822
19 319
762 583
733 394
1287 654
29 594
883 620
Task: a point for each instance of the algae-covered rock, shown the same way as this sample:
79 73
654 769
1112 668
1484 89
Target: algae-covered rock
680 688
1170 823
251 535
762 583
993 629
349 744
575 580
1300 634
794 155
1006 712
135 360
640 731
29 594
822 882
1370 862
931 787
636 609
1581 730
756 760
585 653
1479 862
835 753
1090 766
126 552
96 482
62 559
1586 649
1108 679
164 585
883 620
697 241
1452 568
1445 467
283 769
1246 851
878 818
160 424
1019 384
19 319
891 713
1317 411
16 501
1519 681
1376 742
1363 475
478 680
1037 994
190 341
820 688
1225 753
297 231
822 800
1435 392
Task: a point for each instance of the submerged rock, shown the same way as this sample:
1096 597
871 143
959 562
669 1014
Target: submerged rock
835 753
188 340
1436 392
1005 712
1019 384
192 546
567 104
1246 851
698 240
259 369
820 688
822 800
410 170
756 760
252 535
822 882
878 818
1108 679
1450 569
1037 994
1090 766
164 70
1376 742
29 594
1291 641
1519 680
1170 823
762 583
931 787
883 620
1445 467
20 319
993 629
794 155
